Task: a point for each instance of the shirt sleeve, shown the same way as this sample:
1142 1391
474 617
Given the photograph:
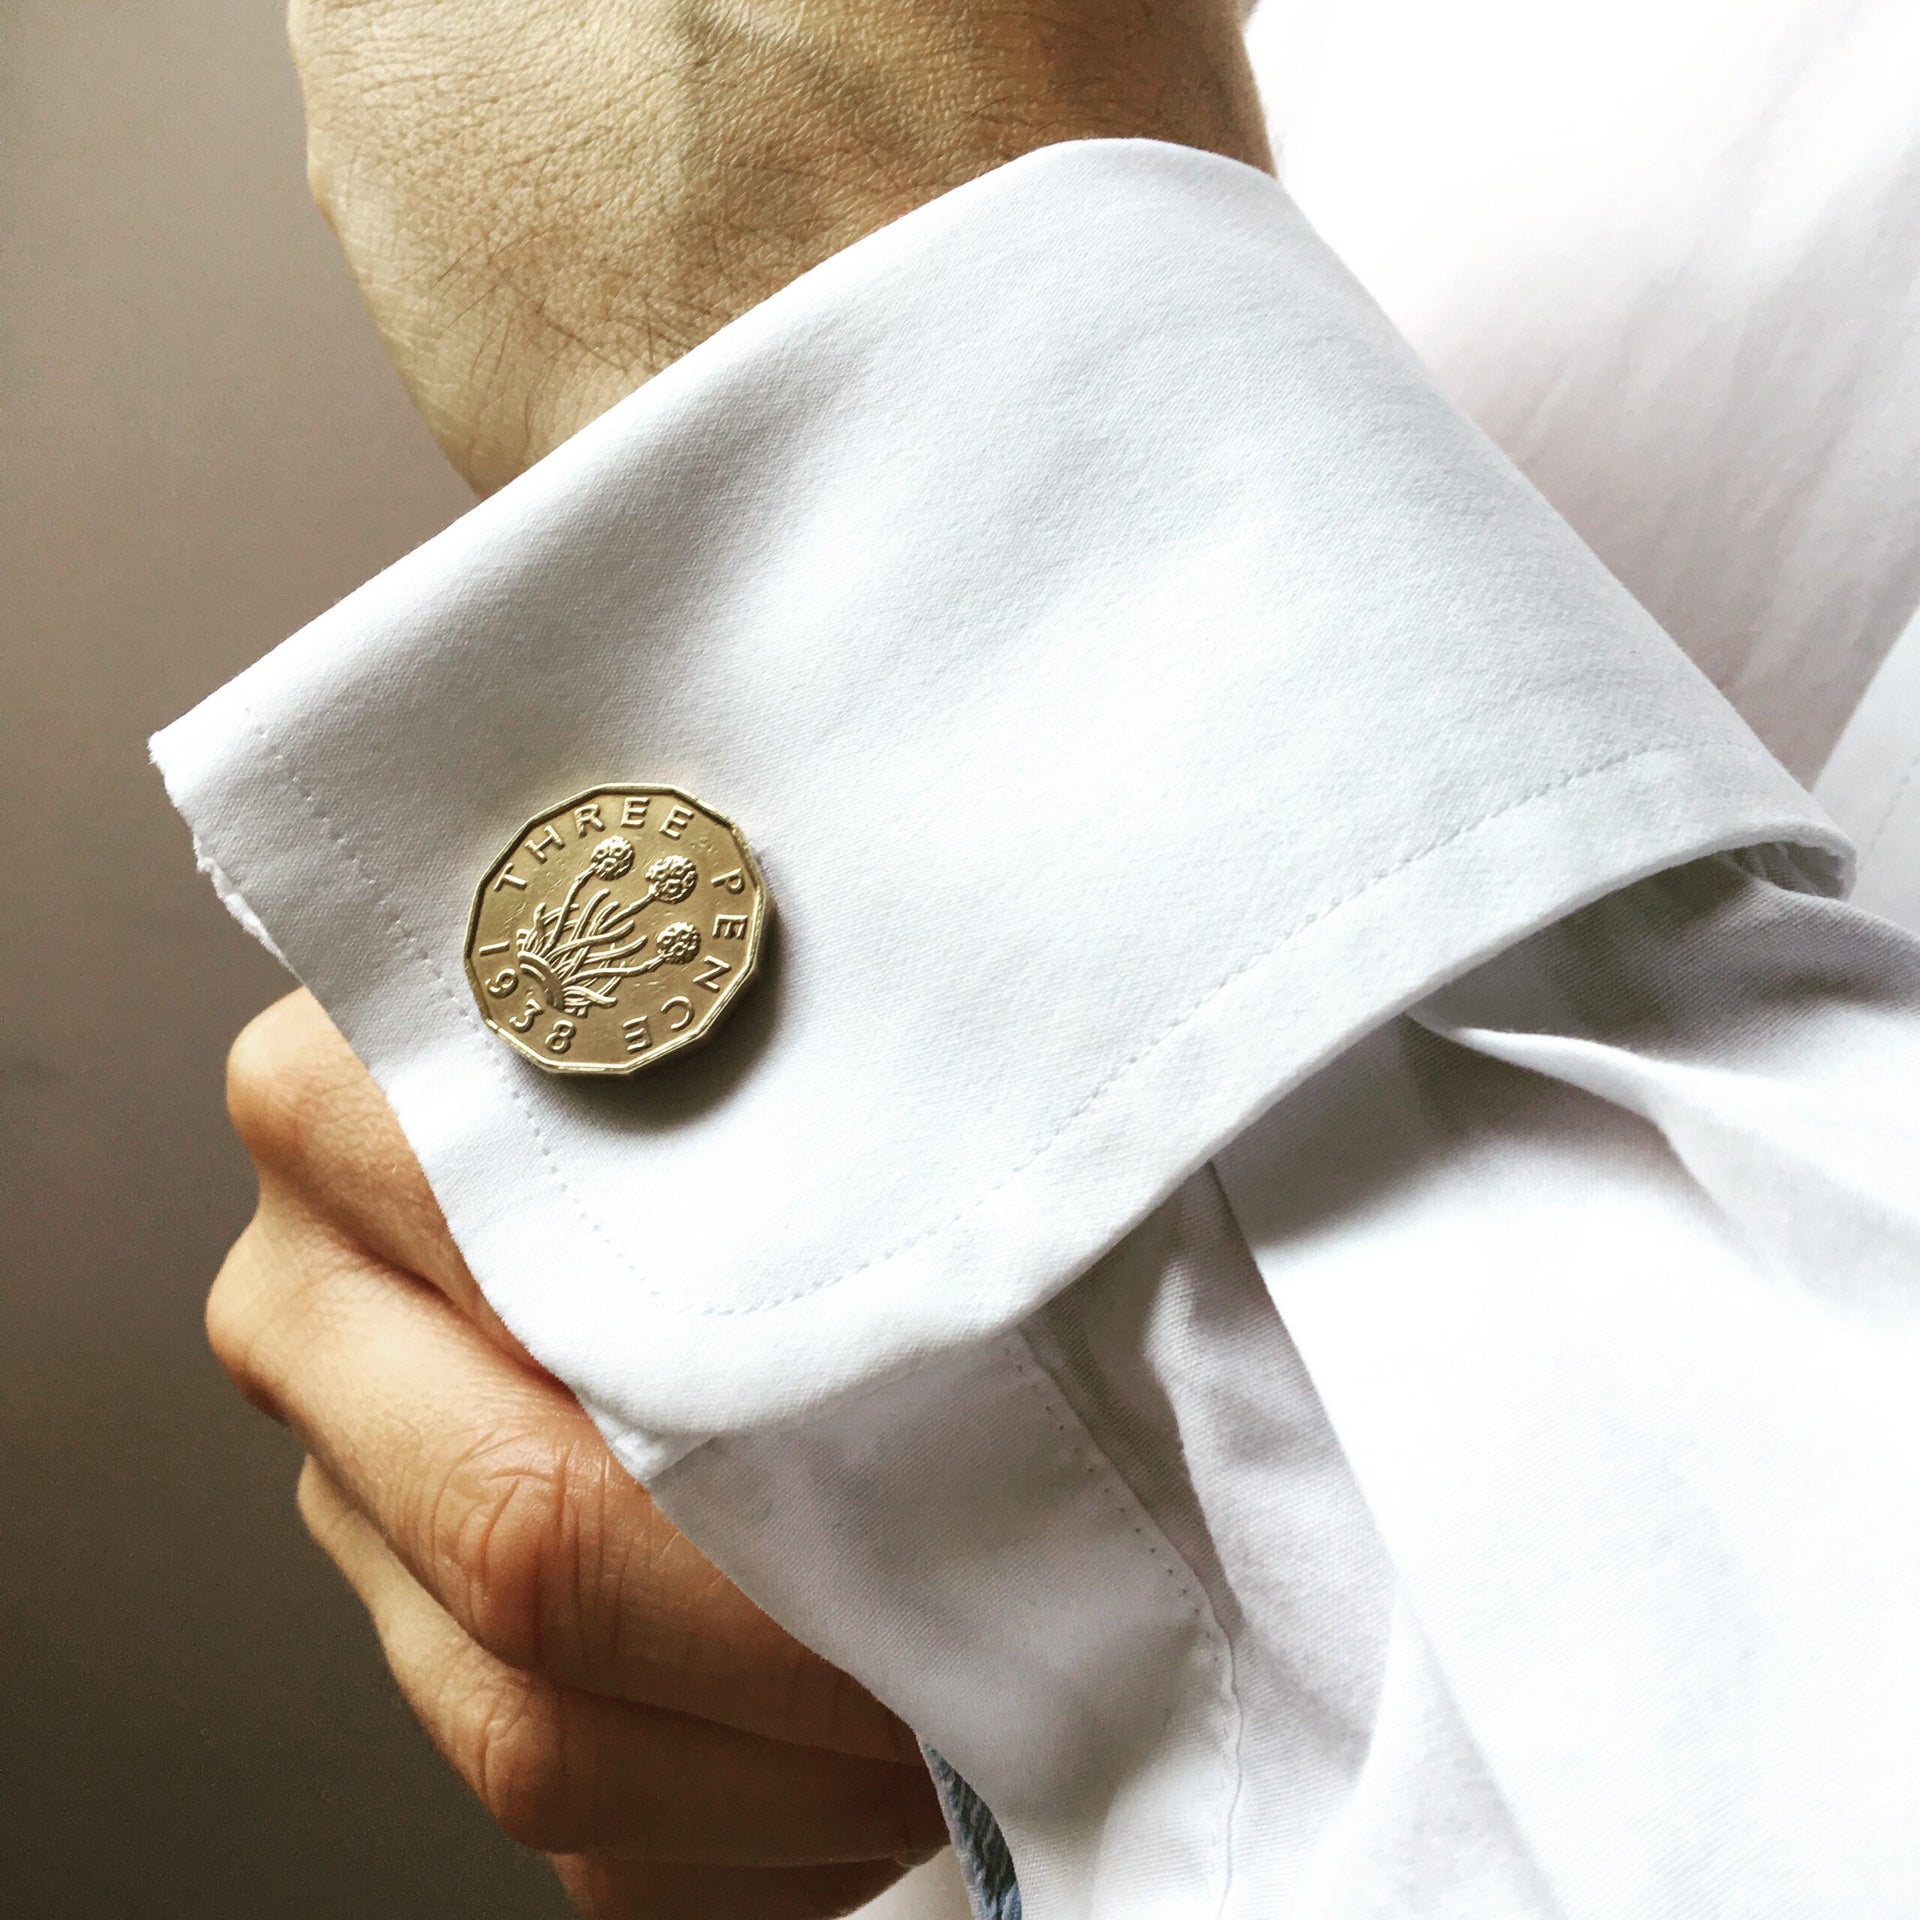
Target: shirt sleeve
1491 1488
1136 682
1615 1316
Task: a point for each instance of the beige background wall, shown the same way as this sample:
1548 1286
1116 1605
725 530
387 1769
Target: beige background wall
202 446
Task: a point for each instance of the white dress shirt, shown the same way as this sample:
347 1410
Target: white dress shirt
1667 253
1307 1259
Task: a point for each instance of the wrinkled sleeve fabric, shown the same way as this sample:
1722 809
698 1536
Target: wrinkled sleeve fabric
1605 1261
1315 1160
1490 1488
1136 681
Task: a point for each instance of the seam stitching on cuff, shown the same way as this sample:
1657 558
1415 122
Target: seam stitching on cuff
424 954
1253 961
1137 1517
1871 845
1705 742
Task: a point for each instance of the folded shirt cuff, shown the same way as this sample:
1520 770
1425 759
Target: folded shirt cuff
1136 682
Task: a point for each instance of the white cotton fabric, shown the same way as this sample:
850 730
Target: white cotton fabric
1551 1551
1667 253
1198 690
1639 1423
1307 1257
1871 785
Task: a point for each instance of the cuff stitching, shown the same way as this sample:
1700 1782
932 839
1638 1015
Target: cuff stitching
1708 742
424 955
1137 1517
1871 844
1200 1006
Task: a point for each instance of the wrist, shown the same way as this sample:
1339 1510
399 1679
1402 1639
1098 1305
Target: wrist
639 181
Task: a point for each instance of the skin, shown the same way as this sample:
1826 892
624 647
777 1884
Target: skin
544 203
609 1696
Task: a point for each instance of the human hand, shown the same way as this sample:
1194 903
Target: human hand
612 1699
546 202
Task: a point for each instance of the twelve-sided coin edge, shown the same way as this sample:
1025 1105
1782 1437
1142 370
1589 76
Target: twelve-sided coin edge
744 972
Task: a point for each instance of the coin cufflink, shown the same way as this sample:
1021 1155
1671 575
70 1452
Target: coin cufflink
615 929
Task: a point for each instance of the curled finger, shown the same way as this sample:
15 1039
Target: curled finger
575 1773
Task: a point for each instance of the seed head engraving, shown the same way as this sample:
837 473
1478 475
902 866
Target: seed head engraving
612 859
576 962
576 954
590 898
678 943
673 878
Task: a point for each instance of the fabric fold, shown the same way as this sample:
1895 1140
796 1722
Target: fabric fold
1136 683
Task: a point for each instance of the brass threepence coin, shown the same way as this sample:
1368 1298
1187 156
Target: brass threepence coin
615 930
